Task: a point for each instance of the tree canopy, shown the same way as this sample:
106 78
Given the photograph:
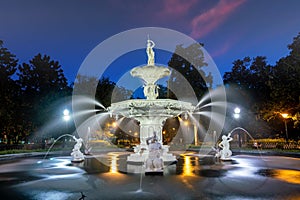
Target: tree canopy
189 63
268 91
31 92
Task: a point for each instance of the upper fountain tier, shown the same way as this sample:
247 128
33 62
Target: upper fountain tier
151 107
150 73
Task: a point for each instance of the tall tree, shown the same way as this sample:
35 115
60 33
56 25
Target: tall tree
9 93
189 63
108 92
285 84
43 84
103 90
248 86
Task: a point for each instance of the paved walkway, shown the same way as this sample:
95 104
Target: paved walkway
245 177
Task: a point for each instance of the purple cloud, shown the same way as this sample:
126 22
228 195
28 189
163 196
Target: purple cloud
212 18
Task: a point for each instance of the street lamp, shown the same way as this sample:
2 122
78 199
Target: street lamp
236 115
285 116
237 112
66 115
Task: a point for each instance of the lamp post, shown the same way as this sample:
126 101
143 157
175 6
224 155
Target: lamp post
236 115
237 112
66 117
285 116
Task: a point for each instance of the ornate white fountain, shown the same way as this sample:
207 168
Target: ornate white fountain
151 113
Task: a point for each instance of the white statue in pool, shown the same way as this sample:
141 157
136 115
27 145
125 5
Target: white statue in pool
154 162
77 155
225 153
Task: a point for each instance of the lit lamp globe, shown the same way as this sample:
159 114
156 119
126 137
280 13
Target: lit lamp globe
237 112
66 116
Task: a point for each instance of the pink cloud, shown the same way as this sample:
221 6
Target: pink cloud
176 8
209 20
225 46
222 49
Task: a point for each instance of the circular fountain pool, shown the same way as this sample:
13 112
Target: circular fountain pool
106 176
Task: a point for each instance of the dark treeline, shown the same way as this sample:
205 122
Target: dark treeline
265 92
32 94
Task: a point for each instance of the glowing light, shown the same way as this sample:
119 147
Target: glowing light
237 110
66 116
187 169
236 115
114 163
66 112
290 176
285 115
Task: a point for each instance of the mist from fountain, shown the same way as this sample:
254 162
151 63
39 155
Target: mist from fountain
240 128
49 149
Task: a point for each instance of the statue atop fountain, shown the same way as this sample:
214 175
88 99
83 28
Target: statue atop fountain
150 52
225 153
150 73
77 155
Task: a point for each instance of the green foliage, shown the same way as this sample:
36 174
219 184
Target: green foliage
269 90
42 84
42 75
284 86
9 92
188 62
108 92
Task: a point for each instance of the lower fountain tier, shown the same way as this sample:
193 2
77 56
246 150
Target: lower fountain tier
140 156
151 115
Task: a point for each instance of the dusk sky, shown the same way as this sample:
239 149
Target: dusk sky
67 30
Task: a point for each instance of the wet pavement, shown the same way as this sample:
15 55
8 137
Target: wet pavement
107 176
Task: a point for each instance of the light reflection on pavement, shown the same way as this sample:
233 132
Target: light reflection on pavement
245 177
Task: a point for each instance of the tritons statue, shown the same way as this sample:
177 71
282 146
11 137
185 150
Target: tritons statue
154 161
225 153
77 155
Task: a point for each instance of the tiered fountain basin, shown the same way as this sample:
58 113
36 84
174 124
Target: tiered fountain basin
140 108
151 115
